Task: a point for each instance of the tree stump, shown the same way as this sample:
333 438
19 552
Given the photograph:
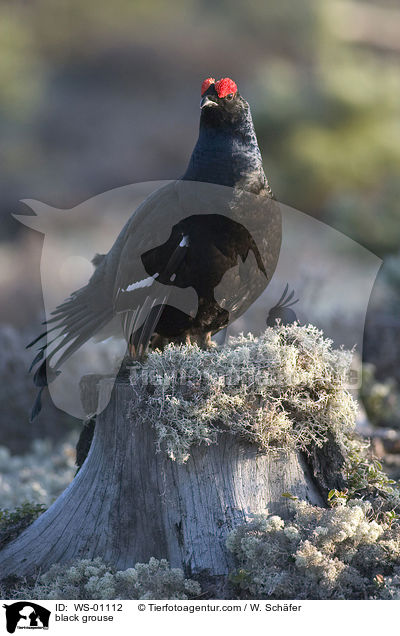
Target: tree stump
129 503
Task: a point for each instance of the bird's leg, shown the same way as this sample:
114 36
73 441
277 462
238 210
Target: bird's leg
158 342
210 344
135 353
203 340
132 350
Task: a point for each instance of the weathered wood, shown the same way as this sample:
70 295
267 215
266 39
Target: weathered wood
128 503
327 464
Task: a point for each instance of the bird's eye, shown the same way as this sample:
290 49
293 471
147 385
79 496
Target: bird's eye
229 97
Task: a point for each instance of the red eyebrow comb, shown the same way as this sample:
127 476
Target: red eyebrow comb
225 86
206 84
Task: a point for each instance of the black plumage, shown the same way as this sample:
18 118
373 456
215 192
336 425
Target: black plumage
192 257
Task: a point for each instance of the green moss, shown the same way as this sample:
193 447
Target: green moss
285 389
13 522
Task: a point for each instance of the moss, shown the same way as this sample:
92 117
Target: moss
285 389
13 522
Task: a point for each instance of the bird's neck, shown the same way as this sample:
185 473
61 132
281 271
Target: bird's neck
227 156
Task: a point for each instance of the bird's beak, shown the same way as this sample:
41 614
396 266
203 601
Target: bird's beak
206 101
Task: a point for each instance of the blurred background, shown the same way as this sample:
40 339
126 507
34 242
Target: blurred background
95 95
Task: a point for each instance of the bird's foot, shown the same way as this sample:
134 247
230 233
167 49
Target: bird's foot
158 342
203 340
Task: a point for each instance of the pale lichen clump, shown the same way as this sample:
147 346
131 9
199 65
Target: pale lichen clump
336 553
282 390
93 579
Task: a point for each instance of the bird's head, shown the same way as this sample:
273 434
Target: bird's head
221 102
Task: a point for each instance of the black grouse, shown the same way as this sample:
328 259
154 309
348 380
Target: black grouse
192 257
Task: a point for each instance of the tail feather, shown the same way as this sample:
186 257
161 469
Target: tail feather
38 338
37 358
150 324
73 336
78 341
66 305
283 295
139 339
44 375
37 405
74 322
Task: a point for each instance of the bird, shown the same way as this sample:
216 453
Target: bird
282 311
191 258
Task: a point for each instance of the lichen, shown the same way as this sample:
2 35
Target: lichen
282 390
94 579
350 550
285 389
335 553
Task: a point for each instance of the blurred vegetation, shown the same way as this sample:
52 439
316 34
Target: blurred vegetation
392 275
381 399
13 522
38 476
96 94
17 394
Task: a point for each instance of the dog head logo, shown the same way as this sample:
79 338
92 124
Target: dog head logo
26 615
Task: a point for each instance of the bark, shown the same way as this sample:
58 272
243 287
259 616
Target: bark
327 465
128 503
